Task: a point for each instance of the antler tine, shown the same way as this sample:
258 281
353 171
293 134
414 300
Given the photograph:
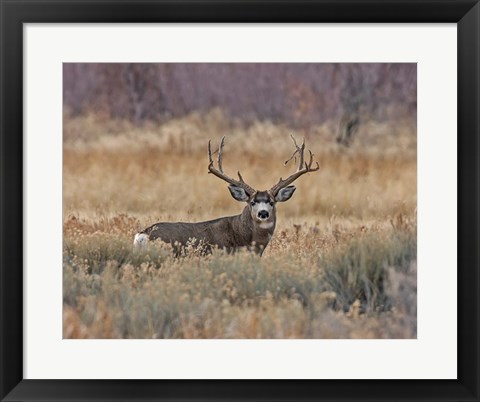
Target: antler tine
240 177
309 166
210 153
298 150
219 172
220 148
303 167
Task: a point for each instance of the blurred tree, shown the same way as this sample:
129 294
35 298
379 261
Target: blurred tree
355 91
298 94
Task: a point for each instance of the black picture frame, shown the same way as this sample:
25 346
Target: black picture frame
14 13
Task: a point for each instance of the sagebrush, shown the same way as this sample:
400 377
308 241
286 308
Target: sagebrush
341 264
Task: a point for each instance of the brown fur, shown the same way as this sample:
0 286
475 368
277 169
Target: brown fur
229 233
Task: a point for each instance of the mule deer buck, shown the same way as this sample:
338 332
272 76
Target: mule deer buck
253 228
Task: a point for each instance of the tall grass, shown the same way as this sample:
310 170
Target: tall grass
341 264
117 291
359 269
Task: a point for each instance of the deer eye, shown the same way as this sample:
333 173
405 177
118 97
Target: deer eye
252 203
271 203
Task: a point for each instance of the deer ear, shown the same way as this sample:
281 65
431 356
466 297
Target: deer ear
285 193
238 193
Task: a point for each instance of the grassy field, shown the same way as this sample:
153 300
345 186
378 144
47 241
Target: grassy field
341 264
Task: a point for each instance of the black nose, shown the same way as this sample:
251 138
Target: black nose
263 214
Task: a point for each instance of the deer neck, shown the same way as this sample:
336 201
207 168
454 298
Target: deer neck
260 233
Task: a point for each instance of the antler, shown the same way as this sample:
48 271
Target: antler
219 172
303 167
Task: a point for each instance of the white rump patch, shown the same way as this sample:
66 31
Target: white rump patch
140 239
265 225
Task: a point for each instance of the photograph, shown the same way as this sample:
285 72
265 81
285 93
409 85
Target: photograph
239 201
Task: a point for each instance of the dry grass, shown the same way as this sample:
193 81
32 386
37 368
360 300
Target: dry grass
342 262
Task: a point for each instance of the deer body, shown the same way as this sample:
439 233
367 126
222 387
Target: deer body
229 233
251 229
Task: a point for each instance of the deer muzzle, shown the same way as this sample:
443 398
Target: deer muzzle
263 214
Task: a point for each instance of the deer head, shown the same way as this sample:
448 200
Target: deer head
261 204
